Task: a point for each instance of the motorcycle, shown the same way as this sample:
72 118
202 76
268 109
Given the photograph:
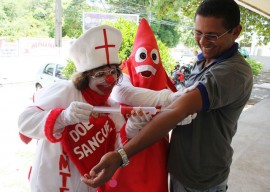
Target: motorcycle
186 70
180 75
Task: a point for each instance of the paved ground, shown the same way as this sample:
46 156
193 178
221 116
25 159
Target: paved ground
261 88
16 157
250 170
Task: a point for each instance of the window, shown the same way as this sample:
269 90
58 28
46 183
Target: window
49 69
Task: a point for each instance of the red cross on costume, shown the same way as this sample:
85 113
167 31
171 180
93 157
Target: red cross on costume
106 46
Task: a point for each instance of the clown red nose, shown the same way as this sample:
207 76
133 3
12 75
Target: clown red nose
110 79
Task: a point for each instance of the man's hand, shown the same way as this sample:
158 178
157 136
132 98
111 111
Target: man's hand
104 170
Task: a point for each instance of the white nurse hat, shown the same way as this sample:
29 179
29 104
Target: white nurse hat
97 47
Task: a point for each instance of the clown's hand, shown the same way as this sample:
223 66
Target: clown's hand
175 95
76 112
136 122
188 119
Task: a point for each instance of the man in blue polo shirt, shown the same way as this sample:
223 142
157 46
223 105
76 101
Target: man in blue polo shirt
200 152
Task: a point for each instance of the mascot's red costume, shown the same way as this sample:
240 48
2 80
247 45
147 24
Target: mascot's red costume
147 171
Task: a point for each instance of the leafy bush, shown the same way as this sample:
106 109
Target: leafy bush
256 66
167 61
128 30
69 69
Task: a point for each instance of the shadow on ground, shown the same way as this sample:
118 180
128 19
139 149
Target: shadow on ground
258 92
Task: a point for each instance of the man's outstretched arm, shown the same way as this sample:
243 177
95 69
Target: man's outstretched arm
157 128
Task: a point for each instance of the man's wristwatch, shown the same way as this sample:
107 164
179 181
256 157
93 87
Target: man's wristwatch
124 157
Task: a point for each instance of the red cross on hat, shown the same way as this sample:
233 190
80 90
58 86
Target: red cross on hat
97 47
106 46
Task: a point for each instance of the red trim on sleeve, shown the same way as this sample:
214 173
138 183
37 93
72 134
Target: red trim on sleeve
29 173
24 138
170 84
49 124
123 134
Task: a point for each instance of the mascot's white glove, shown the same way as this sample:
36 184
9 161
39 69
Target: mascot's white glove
135 122
188 119
76 112
175 95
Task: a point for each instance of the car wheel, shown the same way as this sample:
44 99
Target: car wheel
38 86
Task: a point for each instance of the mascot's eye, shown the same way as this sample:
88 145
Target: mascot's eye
141 55
155 56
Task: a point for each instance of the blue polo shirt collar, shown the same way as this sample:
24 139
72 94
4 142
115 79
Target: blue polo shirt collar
229 53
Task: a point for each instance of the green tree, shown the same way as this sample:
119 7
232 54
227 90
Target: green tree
73 15
253 23
162 16
171 20
11 20
25 18
43 14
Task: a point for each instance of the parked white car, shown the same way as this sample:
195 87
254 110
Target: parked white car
48 74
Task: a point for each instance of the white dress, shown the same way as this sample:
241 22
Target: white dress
52 170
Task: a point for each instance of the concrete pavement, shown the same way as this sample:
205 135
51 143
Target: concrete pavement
250 170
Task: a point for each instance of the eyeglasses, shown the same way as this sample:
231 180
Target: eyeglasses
103 74
209 37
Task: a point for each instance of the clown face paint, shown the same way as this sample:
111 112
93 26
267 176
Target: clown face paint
103 80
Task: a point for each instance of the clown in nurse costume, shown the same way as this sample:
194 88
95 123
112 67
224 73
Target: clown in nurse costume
70 140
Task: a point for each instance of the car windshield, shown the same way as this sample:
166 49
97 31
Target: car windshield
59 72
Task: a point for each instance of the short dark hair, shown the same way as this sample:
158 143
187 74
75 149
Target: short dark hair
225 9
